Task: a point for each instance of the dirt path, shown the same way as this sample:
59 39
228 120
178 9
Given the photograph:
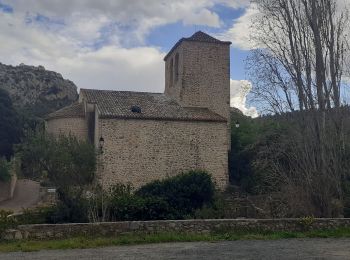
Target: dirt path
225 250
26 195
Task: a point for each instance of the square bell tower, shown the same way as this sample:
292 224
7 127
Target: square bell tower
197 73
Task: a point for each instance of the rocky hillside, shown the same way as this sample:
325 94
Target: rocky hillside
36 90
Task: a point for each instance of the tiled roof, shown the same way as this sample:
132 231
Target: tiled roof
118 104
197 37
74 110
203 37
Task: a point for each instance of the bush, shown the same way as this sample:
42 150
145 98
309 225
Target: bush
134 207
37 215
5 222
71 207
65 161
174 198
214 211
184 193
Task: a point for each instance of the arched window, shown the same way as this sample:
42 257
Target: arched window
171 71
176 67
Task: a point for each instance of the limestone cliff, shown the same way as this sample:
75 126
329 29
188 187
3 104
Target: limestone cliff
35 89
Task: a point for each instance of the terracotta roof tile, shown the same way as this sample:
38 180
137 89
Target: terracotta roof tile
197 37
203 37
74 110
119 104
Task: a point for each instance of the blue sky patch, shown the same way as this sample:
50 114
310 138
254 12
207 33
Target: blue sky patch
6 8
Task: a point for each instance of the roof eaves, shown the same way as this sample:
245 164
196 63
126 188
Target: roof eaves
191 40
48 117
164 118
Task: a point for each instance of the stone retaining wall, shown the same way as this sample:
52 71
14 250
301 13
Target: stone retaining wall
48 231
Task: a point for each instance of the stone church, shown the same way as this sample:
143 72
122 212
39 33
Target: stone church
147 136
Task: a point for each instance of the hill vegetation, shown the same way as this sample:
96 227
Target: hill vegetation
36 90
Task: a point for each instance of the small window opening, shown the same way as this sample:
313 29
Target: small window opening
136 109
171 71
176 67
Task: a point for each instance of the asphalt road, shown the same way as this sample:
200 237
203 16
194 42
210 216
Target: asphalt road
278 249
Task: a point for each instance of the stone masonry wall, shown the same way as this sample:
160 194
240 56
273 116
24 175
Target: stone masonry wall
140 151
75 126
47 231
204 76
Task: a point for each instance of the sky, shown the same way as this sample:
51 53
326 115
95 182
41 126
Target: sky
120 44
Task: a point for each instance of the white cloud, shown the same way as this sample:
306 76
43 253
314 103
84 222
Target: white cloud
139 15
109 67
241 30
98 44
239 91
137 69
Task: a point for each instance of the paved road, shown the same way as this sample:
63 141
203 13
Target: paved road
26 195
279 249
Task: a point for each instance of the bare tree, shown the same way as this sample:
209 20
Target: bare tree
299 67
301 59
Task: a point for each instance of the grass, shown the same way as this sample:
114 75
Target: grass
137 238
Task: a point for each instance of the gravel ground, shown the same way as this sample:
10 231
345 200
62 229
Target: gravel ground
276 249
26 195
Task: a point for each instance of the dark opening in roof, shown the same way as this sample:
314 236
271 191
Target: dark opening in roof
155 106
136 109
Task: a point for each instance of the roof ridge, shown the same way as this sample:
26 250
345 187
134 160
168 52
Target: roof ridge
118 104
120 91
198 36
202 36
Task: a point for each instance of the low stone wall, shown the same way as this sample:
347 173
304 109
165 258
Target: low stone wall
48 231
7 188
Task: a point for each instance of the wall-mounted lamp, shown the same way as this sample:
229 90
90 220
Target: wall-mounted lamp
237 124
101 144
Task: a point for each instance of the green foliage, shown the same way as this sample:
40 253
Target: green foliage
286 154
306 222
5 221
184 193
10 127
121 204
65 160
133 207
246 142
216 210
173 198
162 237
36 215
5 170
72 207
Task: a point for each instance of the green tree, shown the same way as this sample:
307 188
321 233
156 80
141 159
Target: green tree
10 127
70 166
65 161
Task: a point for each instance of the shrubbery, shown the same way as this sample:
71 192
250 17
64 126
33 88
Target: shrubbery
173 198
183 193
65 162
5 222
69 165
